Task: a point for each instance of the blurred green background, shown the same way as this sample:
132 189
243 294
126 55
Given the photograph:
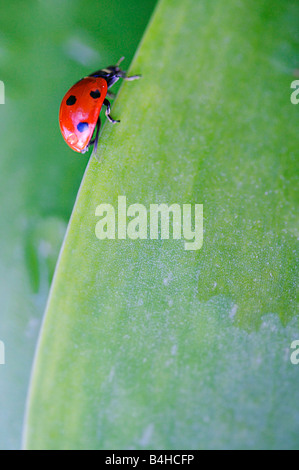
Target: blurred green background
45 46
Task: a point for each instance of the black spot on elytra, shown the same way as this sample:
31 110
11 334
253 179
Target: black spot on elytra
95 94
82 126
71 100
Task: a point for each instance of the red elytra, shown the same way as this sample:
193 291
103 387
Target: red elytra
79 111
80 108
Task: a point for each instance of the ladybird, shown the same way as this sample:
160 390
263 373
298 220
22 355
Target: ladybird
79 115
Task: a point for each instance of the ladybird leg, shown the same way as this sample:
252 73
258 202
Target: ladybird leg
107 104
122 74
132 77
94 142
111 95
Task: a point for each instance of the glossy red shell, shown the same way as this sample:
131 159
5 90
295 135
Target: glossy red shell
79 111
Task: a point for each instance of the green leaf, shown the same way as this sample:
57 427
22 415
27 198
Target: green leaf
39 174
146 344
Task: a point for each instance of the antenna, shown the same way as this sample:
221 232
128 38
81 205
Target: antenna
120 61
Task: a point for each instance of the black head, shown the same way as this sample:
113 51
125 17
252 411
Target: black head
111 74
